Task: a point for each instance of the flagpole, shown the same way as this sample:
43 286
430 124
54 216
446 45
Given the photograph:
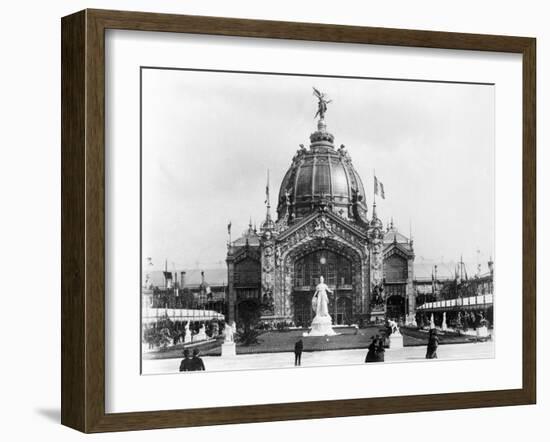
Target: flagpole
374 188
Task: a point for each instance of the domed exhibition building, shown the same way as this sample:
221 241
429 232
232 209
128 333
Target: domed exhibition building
323 227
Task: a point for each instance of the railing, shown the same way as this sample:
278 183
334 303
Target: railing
471 301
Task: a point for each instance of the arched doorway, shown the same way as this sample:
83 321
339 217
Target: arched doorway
395 307
344 312
337 270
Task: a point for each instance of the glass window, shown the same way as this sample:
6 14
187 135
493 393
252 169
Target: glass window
336 269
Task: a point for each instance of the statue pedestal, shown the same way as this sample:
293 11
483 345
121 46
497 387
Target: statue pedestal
321 326
229 349
188 337
377 316
396 340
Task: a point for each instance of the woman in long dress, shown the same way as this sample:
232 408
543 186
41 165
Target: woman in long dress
320 298
433 343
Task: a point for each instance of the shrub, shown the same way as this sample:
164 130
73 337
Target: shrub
248 337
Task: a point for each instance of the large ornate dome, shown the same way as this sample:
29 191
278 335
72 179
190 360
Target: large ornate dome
322 176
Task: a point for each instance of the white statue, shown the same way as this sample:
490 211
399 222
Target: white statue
188 337
228 346
319 301
322 322
201 335
229 331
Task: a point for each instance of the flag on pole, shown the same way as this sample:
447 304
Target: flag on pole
267 189
229 228
379 188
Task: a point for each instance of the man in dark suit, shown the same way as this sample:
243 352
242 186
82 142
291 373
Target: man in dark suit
186 362
298 348
196 363
373 347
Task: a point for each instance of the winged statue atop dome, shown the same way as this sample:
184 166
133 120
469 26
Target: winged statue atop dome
322 109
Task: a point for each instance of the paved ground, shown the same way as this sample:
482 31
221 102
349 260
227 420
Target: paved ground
322 358
283 341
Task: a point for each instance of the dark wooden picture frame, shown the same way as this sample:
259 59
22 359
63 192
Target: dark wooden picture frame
83 220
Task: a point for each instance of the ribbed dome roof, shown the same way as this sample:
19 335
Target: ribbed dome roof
322 175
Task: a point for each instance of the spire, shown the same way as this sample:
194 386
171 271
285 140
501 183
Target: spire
267 200
375 221
266 227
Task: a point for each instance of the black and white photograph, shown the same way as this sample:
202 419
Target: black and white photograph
227 221
300 220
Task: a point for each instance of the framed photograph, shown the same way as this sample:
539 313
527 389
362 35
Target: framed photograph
267 221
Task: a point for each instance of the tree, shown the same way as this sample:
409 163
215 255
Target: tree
249 316
161 334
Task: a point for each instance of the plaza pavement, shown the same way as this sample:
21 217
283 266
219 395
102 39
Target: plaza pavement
322 358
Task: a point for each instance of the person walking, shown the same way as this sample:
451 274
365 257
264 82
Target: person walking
371 354
379 349
433 343
196 363
298 348
186 362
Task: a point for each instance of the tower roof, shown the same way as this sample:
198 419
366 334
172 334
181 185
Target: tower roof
249 237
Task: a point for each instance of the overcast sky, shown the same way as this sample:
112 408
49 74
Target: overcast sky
208 139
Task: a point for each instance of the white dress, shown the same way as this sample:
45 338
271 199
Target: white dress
321 309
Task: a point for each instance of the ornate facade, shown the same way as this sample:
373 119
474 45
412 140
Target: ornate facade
322 228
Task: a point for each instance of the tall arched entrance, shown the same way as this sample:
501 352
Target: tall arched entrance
395 307
338 271
395 285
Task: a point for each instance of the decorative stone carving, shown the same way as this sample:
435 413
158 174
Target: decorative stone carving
321 228
278 257
268 268
302 242
377 298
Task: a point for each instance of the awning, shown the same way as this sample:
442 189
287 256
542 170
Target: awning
151 315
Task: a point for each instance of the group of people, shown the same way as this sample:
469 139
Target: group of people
191 364
376 350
